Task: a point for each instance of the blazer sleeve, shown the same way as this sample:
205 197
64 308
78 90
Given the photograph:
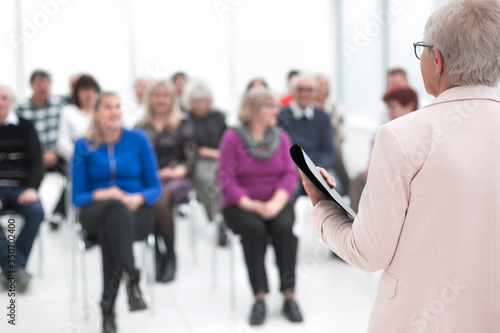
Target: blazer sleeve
152 185
228 168
81 191
370 241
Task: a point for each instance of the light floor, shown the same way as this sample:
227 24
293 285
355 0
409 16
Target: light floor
333 296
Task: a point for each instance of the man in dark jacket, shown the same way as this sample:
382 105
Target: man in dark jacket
20 176
310 127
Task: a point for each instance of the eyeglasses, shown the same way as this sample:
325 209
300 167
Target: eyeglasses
306 89
272 105
419 48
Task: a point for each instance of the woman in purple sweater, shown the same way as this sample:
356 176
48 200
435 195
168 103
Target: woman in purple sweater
257 178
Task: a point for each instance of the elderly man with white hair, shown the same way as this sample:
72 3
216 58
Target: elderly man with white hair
309 126
20 176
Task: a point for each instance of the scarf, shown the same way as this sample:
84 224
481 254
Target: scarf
264 149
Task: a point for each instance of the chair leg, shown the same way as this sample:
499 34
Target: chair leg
193 205
151 271
40 253
82 249
215 224
232 275
73 248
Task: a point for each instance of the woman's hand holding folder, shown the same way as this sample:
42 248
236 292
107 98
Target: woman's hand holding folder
312 191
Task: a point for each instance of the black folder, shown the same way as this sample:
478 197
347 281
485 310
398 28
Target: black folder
307 166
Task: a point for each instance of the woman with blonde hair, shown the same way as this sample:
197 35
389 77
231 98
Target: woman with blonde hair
172 135
114 175
257 178
429 213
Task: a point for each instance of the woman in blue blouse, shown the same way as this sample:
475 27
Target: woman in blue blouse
115 183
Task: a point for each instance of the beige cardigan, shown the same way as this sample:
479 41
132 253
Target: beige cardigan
429 216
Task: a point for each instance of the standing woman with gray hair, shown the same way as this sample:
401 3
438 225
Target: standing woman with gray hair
429 214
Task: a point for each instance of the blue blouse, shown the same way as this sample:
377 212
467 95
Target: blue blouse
130 164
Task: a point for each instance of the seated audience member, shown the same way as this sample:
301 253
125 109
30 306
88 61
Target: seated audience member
137 108
172 135
400 101
44 110
115 183
323 102
209 126
309 127
20 175
256 82
288 97
72 83
257 178
75 118
179 79
397 77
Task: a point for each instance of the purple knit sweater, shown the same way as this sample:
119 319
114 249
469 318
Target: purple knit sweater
240 174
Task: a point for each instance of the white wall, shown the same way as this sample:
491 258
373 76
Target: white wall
270 37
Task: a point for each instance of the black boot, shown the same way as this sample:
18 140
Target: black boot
135 301
108 317
160 264
167 273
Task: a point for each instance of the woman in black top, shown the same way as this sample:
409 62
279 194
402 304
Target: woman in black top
172 135
209 125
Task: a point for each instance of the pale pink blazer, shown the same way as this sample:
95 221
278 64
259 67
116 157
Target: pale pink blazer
429 216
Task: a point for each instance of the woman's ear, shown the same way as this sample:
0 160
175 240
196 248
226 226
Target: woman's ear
438 62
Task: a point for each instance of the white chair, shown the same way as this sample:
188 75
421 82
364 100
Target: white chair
232 239
189 208
79 249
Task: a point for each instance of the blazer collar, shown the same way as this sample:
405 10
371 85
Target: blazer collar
462 93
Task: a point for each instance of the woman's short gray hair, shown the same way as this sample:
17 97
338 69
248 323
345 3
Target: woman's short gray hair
199 91
467 33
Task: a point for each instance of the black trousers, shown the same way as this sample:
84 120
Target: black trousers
255 233
115 228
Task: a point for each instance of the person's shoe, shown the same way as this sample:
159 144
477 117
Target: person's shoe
222 235
3 281
168 270
258 314
22 279
108 318
135 301
291 311
56 221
